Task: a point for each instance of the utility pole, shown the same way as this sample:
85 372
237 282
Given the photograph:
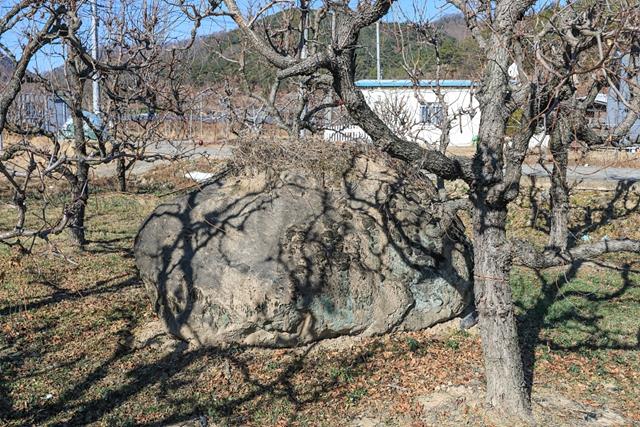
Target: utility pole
378 67
94 55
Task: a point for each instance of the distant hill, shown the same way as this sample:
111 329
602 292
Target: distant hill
206 67
459 53
454 26
7 68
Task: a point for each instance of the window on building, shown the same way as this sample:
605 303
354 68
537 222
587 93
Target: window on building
431 113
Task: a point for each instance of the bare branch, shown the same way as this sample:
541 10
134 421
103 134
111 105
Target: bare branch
527 255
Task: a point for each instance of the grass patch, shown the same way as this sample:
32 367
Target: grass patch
67 353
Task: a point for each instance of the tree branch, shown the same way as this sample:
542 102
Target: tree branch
525 254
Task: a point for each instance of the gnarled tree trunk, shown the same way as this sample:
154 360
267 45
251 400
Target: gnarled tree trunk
80 194
559 191
79 182
506 388
121 172
497 170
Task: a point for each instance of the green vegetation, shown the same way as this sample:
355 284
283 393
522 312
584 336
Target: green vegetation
458 51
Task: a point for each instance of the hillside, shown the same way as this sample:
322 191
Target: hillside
206 64
458 53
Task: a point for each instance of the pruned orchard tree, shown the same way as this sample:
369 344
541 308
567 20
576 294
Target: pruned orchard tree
502 31
578 48
12 20
254 96
140 75
142 71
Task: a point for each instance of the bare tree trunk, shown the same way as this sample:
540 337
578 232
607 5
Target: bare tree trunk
506 387
495 166
559 191
80 196
121 172
80 182
80 185
493 175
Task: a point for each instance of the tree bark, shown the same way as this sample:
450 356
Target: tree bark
492 185
80 197
506 387
524 253
559 191
80 182
80 186
343 72
495 176
121 172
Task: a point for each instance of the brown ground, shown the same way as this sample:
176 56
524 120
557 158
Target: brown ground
601 157
79 344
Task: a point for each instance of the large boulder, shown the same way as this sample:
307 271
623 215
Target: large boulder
287 258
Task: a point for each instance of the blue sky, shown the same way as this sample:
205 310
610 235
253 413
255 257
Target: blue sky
180 27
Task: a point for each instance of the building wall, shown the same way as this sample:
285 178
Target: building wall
462 107
35 107
399 108
616 108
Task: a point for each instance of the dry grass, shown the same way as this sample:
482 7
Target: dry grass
78 344
607 158
313 156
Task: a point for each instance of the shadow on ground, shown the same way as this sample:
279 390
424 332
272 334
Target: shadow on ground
163 373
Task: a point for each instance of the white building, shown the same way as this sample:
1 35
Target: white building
414 111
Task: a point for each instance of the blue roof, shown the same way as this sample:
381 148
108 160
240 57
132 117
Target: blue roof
410 83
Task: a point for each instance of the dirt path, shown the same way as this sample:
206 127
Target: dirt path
594 177
586 173
193 150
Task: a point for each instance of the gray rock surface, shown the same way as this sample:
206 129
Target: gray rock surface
288 258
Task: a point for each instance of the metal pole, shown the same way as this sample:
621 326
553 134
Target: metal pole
94 55
378 68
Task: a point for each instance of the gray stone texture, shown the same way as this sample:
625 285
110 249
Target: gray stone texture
283 259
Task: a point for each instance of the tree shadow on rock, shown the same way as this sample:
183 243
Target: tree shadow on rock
318 251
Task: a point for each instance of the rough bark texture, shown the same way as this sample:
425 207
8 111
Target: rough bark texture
506 387
121 172
343 67
571 125
288 258
493 176
559 191
526 254
79 182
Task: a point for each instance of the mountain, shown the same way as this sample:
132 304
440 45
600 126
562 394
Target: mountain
7 68
454 26
402 48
